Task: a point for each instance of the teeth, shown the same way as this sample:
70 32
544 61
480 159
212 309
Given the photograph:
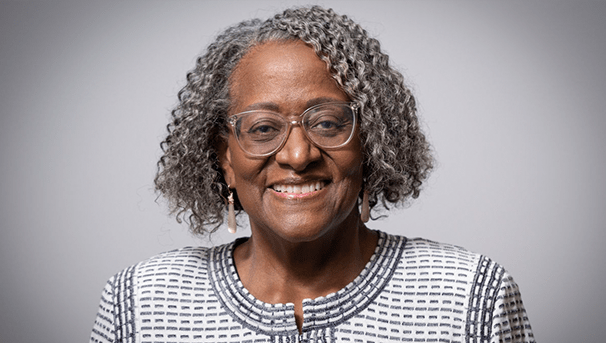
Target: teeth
299 189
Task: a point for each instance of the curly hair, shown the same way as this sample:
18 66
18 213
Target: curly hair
397 157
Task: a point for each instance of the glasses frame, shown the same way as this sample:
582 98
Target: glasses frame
232 120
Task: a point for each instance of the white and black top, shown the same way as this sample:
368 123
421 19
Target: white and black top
411 290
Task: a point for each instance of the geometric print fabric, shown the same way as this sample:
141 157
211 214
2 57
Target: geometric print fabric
412 290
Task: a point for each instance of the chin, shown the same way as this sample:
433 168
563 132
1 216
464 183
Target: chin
300 229
300 232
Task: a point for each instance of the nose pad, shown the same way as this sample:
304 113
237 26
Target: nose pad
298 151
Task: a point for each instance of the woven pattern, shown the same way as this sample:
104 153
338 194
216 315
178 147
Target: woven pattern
115 319
410 291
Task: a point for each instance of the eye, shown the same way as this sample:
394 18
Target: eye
262 129
327 123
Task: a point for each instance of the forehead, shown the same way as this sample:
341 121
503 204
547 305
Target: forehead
283 56
286 71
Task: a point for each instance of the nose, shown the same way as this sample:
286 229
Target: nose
298 152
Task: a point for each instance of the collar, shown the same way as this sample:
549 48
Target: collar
319 313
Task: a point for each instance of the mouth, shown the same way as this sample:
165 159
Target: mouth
299 189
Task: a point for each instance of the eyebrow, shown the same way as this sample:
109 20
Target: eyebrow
269 106
273 107
321 100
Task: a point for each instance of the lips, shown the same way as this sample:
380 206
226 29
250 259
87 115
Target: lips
302 188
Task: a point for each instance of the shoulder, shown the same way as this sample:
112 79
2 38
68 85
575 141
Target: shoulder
139 292
422 247
481 297
446 266
185 259
171 267
429 268
421 253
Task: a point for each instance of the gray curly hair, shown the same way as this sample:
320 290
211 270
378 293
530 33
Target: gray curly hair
397 157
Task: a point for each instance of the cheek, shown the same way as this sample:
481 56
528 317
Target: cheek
351 178
247 171
355 164
350 165
250 182
351 160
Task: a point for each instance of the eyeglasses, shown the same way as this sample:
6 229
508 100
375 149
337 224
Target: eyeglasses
263 133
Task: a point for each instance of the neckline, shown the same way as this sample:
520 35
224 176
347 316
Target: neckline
318 313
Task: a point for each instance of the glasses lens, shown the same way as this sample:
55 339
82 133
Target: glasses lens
260 132
329 125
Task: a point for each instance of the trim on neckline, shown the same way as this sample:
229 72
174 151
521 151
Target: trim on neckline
322 312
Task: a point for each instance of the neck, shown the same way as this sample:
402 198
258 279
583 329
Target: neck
278 271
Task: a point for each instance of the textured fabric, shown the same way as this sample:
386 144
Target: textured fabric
410 291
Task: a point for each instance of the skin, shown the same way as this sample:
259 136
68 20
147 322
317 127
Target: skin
313 244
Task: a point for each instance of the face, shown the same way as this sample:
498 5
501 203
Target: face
301 192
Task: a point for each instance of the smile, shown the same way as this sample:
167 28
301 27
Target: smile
299 189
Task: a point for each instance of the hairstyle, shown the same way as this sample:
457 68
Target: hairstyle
397 157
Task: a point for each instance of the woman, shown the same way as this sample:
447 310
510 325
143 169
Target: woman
300 122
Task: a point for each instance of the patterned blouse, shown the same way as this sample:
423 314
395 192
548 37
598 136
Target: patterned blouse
411 290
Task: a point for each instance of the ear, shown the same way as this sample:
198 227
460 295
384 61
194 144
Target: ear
224 154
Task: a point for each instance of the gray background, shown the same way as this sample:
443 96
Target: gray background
512 95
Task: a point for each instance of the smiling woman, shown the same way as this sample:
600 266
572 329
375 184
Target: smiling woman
300 122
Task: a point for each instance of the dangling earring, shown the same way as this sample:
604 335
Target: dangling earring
365 215
231 213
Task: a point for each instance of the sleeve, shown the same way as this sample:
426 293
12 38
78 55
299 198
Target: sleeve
104 330
509 320
115 322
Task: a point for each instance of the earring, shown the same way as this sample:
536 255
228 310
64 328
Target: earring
365 215
231 213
